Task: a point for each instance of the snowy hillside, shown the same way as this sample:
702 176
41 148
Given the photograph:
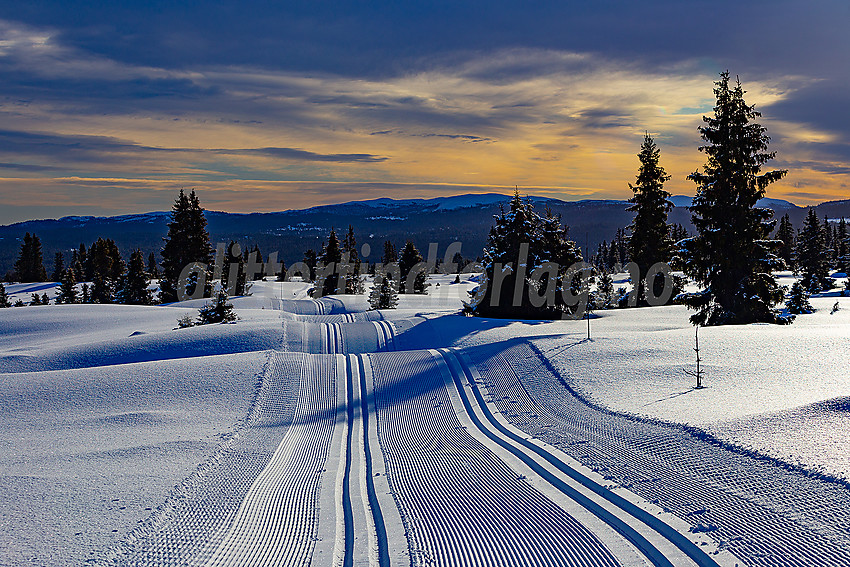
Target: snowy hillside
318 432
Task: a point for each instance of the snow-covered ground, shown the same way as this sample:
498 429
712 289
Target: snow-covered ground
114 419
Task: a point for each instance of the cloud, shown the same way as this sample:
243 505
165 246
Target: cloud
99 148
127 97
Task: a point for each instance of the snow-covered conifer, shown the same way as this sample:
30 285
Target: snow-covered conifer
798 300
731 256
812 258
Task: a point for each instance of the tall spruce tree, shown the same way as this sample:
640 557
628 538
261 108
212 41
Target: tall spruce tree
187 241
812 257
132 287
730 255
650 239
785 235
30 264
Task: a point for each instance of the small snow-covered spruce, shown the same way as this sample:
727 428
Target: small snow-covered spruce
185 322
650 239
4 298
19 303
384 294
605 291
35 300
68 287
798 300
731 256
219 311
812 257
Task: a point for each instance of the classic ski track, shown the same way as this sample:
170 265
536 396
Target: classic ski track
462 505
277 521
661 543
760 512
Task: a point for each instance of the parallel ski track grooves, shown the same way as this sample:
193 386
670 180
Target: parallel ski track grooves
374 505
510 442
276 523
460 503
765 513
348 516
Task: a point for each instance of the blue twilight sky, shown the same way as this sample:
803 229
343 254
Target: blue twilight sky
110 107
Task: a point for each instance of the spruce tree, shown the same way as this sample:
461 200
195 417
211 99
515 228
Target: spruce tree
219 311
44 299
311 260
812 258
30 264
105 268
4 298
390 255
605 291
730 255
785 235
153 269
408 259
133 286
58 267
68 287
233 272
650 239
843 263
798 300
384 294
187 241
35 299
329 262
547 246
351 257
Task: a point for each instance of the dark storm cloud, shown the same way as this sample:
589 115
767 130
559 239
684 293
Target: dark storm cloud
107 149
821 105
382 38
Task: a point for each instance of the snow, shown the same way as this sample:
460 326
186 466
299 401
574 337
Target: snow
107 408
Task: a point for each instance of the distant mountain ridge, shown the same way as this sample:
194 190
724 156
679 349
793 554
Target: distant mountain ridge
463 218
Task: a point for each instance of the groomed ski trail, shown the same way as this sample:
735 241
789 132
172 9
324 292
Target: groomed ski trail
660 543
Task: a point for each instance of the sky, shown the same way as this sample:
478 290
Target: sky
110 107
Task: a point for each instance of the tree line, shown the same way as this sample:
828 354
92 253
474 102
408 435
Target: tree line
732 256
